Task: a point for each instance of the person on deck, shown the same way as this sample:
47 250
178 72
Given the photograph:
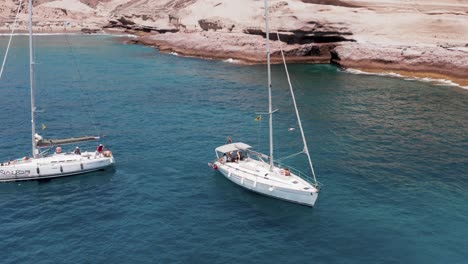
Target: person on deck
100 148
239 156
99 151
58 150
77 151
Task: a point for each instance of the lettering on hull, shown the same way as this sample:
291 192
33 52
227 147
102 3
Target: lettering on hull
15 172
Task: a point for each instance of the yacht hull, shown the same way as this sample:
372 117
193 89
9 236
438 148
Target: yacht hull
267 187
55 166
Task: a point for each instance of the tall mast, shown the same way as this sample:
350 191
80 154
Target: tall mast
31 80
270 109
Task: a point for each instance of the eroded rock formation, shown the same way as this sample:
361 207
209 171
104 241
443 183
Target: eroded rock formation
418 35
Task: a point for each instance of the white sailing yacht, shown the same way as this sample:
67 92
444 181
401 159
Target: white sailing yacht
43 165
260 173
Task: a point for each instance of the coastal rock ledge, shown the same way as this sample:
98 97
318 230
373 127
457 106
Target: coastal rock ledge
423 38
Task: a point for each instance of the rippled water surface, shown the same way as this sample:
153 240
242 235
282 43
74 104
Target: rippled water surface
392 155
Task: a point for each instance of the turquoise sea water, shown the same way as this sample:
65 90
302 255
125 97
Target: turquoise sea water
392 155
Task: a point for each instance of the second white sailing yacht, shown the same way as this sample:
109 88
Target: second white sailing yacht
259 172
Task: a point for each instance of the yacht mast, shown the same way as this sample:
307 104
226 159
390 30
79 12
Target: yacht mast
270 109
31 80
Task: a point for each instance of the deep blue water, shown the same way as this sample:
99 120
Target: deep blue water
392 155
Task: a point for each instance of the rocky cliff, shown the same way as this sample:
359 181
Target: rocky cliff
419 36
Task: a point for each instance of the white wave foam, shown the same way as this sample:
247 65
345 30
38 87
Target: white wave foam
441 82
118 35
391 74
174 53
231 60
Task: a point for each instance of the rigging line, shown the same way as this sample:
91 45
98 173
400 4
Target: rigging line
91 114
11 37
306 150
290 156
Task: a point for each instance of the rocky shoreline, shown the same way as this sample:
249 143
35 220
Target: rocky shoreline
409 61
419 38
444 63
247 49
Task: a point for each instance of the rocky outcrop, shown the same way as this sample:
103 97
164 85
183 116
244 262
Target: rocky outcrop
418 35
216 23
438 62
303 36
90 30
128 24
247 48
94 3
125 22
330 2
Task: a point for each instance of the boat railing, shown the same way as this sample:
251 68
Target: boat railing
299 173
259 156
16 161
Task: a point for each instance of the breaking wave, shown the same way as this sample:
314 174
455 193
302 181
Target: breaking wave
441 82
231 60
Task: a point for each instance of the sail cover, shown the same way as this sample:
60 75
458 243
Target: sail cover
54 142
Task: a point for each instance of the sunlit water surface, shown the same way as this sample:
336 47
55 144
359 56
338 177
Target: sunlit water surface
392 155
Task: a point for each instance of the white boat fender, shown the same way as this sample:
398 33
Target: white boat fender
271 188
242 180
212 165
